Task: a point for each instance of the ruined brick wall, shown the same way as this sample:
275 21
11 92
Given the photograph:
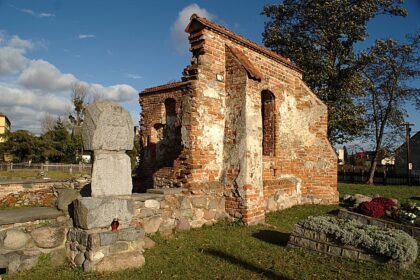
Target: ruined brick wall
160 136
250 123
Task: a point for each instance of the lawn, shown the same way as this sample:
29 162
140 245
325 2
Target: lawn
53 174
233 251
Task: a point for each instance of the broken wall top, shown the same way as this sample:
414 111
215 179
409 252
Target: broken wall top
107 126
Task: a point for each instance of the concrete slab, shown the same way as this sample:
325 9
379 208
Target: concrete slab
22 215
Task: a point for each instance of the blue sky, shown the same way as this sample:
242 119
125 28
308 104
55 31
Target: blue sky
118 48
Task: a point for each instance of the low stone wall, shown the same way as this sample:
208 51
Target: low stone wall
281 194
319 242
346 214
166 211
26 233
35 193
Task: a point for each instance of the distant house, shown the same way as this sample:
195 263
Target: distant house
4 126
401 156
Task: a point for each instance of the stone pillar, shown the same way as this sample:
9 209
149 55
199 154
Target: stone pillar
108 131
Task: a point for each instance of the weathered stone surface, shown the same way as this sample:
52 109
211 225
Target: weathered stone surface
199 202
22 215
151 225
152 204
148 243
130 234
93 212
58 257
94 255
120 261
48 237
66 197
118 247
15 239
183 224
108 238
79 259
111 174
107 126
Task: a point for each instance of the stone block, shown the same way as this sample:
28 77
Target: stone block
108 238
149 243
350 254
152 204
107 126
120 261
183 224
111 174
66 197
94 256
199 202
118 247
15 239
79 259
151 225
91 212
336 251
130 234
48 237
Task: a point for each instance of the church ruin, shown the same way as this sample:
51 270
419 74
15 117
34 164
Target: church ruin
240 125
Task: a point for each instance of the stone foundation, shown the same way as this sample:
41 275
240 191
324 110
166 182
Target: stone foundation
319 242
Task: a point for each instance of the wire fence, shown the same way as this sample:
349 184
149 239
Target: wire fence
68 168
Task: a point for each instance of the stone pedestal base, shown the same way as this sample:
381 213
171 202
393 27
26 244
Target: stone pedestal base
101 251
93 212
111 174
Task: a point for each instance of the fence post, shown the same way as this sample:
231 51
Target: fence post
384 177
71 168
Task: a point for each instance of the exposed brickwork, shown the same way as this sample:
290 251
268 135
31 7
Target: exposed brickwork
247 121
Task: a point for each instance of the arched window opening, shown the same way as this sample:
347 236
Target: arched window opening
268 123
170 109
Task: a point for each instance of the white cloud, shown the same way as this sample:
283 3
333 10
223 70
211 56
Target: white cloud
12 60
19 43
33 13
43 75
134 76
40 88
178 34
86 36
117 93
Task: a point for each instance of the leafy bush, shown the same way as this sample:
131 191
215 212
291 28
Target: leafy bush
372 209
385 202
392 243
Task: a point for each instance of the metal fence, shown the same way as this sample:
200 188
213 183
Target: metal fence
68 168
381 178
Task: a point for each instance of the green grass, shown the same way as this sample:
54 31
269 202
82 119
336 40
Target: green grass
53 174
233 251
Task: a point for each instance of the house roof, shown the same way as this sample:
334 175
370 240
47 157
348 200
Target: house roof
415 139
165 87
7 119
197 23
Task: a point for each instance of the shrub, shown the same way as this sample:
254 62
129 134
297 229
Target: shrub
391 243
386 202
372 209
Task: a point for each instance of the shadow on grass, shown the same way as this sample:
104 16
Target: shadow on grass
415 197
244 264
273 237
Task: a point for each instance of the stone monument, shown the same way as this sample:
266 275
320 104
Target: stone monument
108 131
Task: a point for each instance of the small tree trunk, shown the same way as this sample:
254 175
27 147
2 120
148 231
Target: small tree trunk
372 169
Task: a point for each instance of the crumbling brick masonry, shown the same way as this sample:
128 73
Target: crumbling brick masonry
241 124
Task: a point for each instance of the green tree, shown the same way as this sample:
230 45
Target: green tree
319 36
388 67
24 146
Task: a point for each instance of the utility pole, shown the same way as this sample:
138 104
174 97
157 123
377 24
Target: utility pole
407 140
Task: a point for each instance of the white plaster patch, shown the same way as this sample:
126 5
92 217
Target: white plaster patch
212 93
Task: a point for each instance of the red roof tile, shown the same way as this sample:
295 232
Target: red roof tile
164 87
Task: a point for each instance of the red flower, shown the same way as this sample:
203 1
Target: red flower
372 209
386 202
